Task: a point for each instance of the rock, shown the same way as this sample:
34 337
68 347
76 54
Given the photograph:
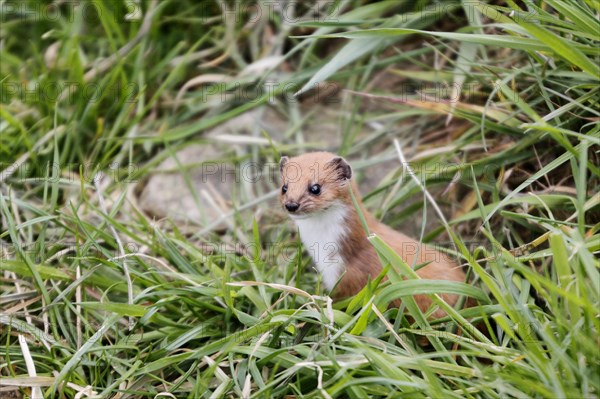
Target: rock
167 193
207 196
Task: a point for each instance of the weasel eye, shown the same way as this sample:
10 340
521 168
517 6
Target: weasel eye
315 189
284 189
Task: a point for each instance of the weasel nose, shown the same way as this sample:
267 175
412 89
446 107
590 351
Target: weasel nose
292 206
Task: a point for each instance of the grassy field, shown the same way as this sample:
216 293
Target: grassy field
495 107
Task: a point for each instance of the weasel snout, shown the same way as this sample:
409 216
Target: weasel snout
292 206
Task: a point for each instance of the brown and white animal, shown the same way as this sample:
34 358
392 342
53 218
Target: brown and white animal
315 193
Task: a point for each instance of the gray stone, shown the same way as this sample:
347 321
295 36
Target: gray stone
206 195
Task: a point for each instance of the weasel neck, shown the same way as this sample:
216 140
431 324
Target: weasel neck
323 234
333 237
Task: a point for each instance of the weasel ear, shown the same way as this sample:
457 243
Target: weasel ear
282 163
342 167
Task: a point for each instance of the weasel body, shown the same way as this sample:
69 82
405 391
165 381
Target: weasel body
315 193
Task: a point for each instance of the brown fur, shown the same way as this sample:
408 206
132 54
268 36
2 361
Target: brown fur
359 256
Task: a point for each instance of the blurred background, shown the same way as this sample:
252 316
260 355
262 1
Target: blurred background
140 142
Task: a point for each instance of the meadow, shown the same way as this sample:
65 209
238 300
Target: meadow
145 254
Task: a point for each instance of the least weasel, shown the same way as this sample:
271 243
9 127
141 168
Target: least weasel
315 193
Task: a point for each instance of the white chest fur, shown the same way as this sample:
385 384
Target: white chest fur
322 234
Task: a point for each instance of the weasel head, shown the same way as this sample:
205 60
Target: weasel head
314 182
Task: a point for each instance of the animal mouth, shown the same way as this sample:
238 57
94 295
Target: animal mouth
307 214
299 216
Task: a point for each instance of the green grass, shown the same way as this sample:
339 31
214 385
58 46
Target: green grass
96 293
